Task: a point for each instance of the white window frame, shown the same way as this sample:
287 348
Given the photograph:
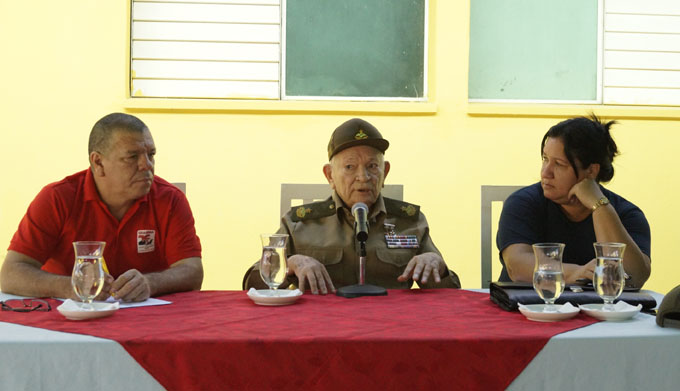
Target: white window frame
355 98
642 53
136 64
598 96
620 81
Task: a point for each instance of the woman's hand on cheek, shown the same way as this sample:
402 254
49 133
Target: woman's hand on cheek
587 192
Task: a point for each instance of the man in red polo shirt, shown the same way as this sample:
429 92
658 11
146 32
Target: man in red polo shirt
147 224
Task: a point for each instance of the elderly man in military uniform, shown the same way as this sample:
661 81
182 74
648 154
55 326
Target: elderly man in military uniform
323 250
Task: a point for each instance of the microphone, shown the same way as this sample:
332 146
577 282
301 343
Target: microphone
360 213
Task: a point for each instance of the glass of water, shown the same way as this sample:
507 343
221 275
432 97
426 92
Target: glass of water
609 276
548 273
273 263
87 278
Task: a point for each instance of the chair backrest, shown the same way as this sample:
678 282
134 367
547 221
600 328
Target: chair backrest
181 185
490 194
293 194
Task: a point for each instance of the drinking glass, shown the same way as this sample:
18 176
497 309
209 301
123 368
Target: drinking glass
88 275
548 273
273 263
609 276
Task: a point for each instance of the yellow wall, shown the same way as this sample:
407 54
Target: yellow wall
63 66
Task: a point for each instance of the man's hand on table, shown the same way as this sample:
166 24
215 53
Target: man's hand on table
131 286
424 266
106 290
309 270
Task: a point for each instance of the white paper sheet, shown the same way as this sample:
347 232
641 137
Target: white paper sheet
148 302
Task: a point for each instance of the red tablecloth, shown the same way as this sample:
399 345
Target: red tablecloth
410 339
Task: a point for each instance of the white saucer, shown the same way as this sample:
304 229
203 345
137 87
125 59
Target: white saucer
535 312
621 311
274 297
72 310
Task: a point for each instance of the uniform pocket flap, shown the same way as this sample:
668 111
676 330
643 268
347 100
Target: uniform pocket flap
395 256
325 255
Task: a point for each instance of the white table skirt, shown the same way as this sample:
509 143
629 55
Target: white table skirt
630 355
40 360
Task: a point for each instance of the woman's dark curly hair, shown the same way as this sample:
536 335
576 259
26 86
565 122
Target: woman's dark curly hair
586 140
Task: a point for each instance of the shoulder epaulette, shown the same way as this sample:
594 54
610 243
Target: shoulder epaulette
314 210
401 208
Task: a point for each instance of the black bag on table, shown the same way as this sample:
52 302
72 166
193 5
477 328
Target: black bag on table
508 294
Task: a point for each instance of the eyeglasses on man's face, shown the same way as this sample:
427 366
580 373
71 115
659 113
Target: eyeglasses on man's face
25 305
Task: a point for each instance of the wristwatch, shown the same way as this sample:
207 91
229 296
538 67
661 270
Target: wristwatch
601 202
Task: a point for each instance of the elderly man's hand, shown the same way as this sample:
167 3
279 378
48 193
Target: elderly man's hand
131 286
423 266
308 269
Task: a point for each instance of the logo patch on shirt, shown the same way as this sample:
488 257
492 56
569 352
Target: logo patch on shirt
146 240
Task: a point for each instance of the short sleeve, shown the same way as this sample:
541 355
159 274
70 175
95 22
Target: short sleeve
40 228
635 223
183 243
520 221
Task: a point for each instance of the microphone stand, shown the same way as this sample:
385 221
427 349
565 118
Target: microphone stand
361 289
362 264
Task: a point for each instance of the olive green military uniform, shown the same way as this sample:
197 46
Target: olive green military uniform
325 231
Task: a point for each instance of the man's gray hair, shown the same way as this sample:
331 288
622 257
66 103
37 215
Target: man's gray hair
100 136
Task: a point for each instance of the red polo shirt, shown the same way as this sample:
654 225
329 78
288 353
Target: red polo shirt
157 231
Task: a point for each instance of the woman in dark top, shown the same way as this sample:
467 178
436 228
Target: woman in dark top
570 206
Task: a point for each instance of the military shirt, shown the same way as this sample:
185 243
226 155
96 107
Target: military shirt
324 230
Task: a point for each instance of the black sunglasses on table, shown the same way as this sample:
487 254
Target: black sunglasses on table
25 305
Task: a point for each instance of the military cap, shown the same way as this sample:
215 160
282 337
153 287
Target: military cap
668 313
356 132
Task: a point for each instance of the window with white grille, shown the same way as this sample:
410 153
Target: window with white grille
642 52
612 52
236 49
198 49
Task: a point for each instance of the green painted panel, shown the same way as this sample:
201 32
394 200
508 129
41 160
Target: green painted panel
363 48
533 49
